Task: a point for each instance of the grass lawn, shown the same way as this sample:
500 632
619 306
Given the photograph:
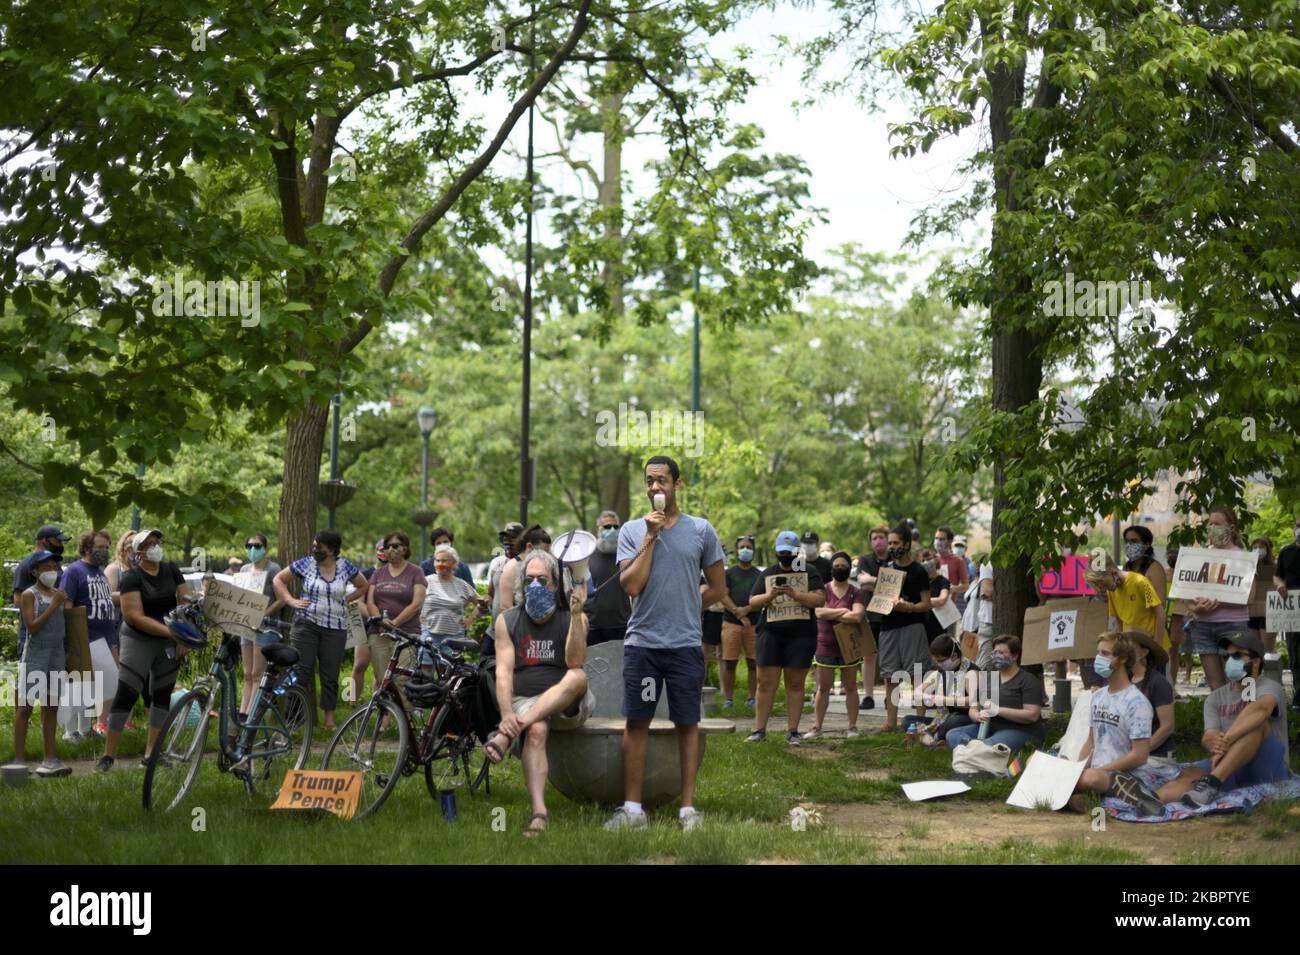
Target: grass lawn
747 791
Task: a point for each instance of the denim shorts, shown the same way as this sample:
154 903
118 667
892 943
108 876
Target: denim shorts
1205 636
648 672
1268 766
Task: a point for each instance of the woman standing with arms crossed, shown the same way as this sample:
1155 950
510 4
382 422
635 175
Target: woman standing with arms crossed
254 662
320 626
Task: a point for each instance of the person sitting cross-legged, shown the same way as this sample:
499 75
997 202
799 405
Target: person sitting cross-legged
1119 733
1245 730
540 650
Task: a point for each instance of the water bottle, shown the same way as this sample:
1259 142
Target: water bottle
448 799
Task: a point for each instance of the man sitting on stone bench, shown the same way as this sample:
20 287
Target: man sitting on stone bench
540 650
1245 730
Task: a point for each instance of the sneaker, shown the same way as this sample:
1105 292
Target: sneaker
751 702
756 737
793 739
72 736
144 762
852 733
1133 791
104 765
813 733
869 703
1204 792
98 731
622 819
692 820
53 767
728 704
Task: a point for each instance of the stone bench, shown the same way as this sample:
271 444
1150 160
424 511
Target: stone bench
586 764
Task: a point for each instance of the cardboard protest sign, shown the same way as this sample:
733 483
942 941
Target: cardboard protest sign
335 791
356 626
76 640
1063 630
889 585
946 614
856 641
234 609
1223 575
783 607
1282 614
1259 592
1068 579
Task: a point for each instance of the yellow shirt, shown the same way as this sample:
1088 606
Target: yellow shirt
1134 603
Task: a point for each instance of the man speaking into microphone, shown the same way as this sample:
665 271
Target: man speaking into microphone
660 557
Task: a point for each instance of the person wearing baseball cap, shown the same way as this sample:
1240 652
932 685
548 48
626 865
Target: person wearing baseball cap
785 646
48 538
811 546
507 537
43 661
1245 729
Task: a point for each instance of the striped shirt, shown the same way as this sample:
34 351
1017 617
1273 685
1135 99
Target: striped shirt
328 607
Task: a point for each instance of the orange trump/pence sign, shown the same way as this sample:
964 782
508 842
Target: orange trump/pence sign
333 791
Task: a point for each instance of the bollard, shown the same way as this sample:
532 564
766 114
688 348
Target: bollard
1062 703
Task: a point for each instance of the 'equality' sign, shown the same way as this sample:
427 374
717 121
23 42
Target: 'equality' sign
1213 573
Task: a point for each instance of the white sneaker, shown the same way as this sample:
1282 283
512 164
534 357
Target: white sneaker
813 733
72 736
693 819
622 819
53 767
852 734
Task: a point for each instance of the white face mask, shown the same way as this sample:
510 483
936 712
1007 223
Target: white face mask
941 546
154 553
810 551
49 577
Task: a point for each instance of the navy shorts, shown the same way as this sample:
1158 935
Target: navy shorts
1268 766
646 674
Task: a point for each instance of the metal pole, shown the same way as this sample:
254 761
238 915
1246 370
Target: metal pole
424 498
524 435
336 401
695 347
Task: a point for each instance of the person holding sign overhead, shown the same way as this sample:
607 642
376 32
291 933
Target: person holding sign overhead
258 574
787 634
320 626
904 607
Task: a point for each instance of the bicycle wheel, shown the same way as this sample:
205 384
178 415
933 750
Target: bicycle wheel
285 744
174 763
359 745
457 758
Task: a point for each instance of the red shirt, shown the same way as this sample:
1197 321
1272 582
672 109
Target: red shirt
955 571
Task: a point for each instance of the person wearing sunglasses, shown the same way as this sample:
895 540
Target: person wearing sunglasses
608 607
397 588
1245 729
255 547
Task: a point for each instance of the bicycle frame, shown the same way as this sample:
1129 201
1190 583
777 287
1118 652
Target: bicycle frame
221 678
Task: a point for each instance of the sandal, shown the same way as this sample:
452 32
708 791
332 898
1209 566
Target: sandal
535 830
494 750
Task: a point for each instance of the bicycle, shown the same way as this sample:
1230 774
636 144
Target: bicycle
260 749
445 746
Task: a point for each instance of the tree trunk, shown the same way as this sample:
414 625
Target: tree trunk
610 197
303 442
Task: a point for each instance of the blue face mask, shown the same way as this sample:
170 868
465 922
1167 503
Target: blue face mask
1235 670
609 534
1102 666
256 553
538 600
746 554
1001 661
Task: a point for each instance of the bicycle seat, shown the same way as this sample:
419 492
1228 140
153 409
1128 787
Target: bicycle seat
460 644
280 655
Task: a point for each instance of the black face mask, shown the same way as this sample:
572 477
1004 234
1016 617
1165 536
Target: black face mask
320 554
840 573
785 560
56 547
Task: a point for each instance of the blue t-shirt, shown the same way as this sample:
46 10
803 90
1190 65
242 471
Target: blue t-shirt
1116 720
86 586
666 614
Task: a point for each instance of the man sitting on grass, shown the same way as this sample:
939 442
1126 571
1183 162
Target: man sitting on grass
1245 730
1119 734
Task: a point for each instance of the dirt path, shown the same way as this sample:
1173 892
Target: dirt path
990 825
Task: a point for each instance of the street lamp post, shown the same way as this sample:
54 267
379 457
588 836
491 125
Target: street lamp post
426 417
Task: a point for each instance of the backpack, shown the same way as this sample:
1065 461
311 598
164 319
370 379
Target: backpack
484 713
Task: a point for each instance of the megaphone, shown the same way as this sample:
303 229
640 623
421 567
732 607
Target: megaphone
573 550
